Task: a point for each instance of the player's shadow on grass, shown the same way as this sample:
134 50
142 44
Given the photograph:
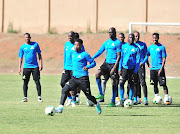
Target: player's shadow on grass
161 105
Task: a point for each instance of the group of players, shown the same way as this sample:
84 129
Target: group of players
123 62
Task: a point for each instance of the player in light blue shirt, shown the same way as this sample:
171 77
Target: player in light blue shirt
80 76
29 51
110 67
157 72
128 67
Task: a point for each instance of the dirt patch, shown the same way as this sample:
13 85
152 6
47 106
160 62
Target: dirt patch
52 47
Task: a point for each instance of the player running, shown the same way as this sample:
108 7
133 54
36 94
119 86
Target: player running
80 76
128 67
110 67
157 72
30 50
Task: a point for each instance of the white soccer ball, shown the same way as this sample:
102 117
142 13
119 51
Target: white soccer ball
128 104
90 103
50 110
157 100
170 100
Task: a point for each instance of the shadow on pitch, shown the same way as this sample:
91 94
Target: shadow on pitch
131 115
159 105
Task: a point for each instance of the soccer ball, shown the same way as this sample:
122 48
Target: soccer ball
90 103
157 100
170 100
128 104
50 110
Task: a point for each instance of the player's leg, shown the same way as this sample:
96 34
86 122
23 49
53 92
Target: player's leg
26 77
103 83
136 90
132 81
36 78
162 82
122 81
84 84
114 79
70 85
154 81
142 77
66 76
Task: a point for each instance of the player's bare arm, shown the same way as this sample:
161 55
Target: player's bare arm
163 64
40 62
116 64
20 64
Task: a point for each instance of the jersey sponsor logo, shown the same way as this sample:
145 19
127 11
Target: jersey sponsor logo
112 44
25 48
32 47
133 50
158 49
79 56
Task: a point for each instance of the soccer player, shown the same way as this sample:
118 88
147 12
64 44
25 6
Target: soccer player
141 77
67 72
80 76
157 72
30 50
128 67
110 67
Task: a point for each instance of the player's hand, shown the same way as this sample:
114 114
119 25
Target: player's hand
120 72
19 72
112 71
159 72
85 68
141 64
40 68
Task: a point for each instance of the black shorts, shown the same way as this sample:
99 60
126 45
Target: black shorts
142 75
66 76
158 78
83 83
106 69
27 73
127 74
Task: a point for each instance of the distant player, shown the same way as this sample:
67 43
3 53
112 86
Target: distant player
141 72
128 67
157 72
110 67
80 76
30 50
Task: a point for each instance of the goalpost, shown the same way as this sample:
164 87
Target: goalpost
151 24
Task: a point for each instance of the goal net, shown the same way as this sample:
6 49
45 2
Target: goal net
169 37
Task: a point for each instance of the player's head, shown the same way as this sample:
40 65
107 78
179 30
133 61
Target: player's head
76 36
112 33
78 45
131 38
121 37
155 38
71 36
27 38
136 36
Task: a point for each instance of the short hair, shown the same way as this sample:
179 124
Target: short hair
80 41
122 34
156 34
27 34
76 35
137 32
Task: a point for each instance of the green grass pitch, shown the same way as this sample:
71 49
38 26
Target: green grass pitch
17 117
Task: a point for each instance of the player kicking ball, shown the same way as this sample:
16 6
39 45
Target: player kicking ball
157 72
80 76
